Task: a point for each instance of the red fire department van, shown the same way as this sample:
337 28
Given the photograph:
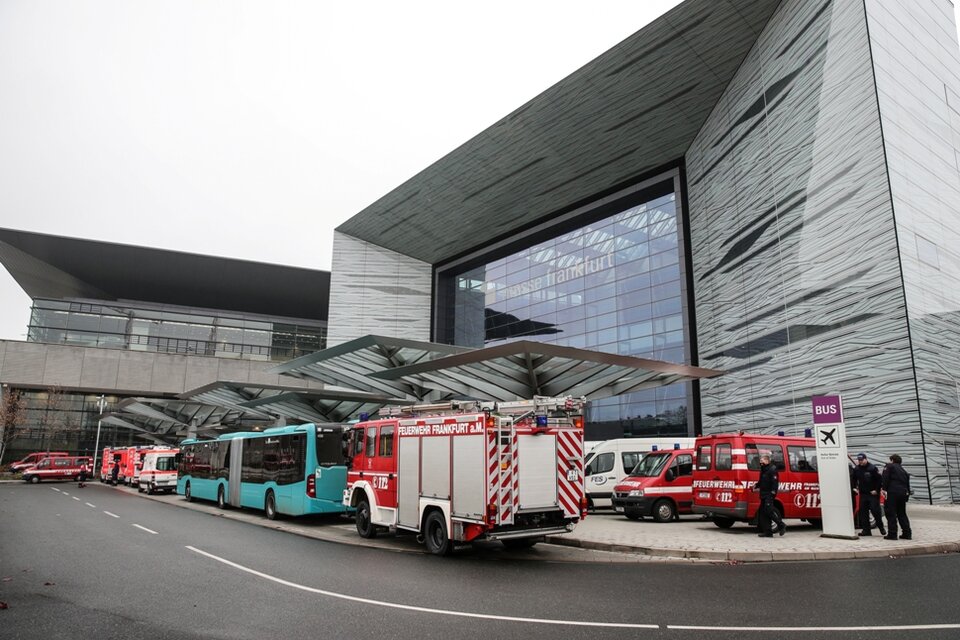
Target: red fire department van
57 468
728 466
661 485
465 471
34 458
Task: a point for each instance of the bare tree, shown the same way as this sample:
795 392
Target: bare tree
53 421
13 417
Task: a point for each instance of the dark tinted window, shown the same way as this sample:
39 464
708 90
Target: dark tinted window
271 458
704 458
330 446
724 461
802 459
293 456
683 465
630 460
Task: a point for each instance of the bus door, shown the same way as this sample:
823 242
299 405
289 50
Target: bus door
233 475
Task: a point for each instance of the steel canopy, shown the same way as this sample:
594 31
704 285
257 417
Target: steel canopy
524 369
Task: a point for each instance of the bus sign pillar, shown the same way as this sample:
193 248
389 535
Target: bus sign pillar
836 506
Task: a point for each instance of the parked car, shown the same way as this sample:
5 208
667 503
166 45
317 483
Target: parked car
57 468
34 458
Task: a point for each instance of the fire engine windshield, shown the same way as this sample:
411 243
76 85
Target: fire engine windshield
650 465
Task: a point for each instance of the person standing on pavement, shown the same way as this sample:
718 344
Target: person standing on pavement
896 487
868 483
82 478
768 485
114 473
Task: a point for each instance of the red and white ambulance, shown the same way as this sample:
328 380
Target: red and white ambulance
661 485
158 471
466 471
728 466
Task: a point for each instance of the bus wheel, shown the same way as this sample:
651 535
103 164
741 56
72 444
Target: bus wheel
221 499
186 492
365 526
435 534
270 505
663 510
723 523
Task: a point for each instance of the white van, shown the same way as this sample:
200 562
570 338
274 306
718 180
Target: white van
611 460
158 471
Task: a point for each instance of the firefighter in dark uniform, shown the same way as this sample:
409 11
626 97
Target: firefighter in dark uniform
767 486
868 484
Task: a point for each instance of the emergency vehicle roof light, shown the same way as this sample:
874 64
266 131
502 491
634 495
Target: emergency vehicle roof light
653 448
364 417
542 421
781 433
808 433
676 445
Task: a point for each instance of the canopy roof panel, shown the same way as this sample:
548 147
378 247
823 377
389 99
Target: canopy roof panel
525 369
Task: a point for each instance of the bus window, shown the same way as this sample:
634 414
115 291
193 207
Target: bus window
386 441
329 447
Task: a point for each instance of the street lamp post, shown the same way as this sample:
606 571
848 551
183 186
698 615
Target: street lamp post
101 405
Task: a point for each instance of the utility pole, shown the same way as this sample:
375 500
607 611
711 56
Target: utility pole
101 405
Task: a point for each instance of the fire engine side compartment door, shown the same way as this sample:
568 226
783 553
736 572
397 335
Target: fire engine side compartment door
435 467
408 482
468 476
233 479
537 462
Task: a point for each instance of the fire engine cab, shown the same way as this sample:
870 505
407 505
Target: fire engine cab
463 471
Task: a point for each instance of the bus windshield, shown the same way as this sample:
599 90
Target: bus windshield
650 465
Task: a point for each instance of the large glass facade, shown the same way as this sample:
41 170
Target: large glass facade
614 285
172 330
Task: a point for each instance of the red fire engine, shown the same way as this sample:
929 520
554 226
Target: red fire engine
463 471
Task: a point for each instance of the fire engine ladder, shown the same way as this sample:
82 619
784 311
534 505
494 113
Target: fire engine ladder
508 478
541 405
451 407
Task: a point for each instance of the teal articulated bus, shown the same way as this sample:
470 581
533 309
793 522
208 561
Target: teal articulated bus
292 470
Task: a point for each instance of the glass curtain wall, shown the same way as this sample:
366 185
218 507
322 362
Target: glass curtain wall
615 285
187 331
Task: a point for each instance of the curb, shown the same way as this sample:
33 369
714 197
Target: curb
759 556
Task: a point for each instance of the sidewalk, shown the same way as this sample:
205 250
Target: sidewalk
936 529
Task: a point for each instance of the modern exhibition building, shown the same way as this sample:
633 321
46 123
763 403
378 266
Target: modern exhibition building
119 334
770 188
765 187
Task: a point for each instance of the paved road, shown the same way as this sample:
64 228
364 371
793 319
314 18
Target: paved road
155 570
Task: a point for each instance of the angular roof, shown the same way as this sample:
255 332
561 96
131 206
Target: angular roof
49 266
632 111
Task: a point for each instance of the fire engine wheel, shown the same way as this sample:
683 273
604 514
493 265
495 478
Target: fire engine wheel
663 510
723 523
365 526
186 492
435 534
222 499
140 488
269 505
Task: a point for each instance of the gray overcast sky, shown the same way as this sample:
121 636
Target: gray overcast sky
252 129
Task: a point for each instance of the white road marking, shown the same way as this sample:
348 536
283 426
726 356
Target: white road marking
76 498
92 506
55 489
65 493
406 607
112 515
899 627
147 530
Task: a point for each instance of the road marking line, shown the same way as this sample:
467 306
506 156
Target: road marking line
406 607
76 498
92 506
147 530
899 627
112 515
55 489
65 493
